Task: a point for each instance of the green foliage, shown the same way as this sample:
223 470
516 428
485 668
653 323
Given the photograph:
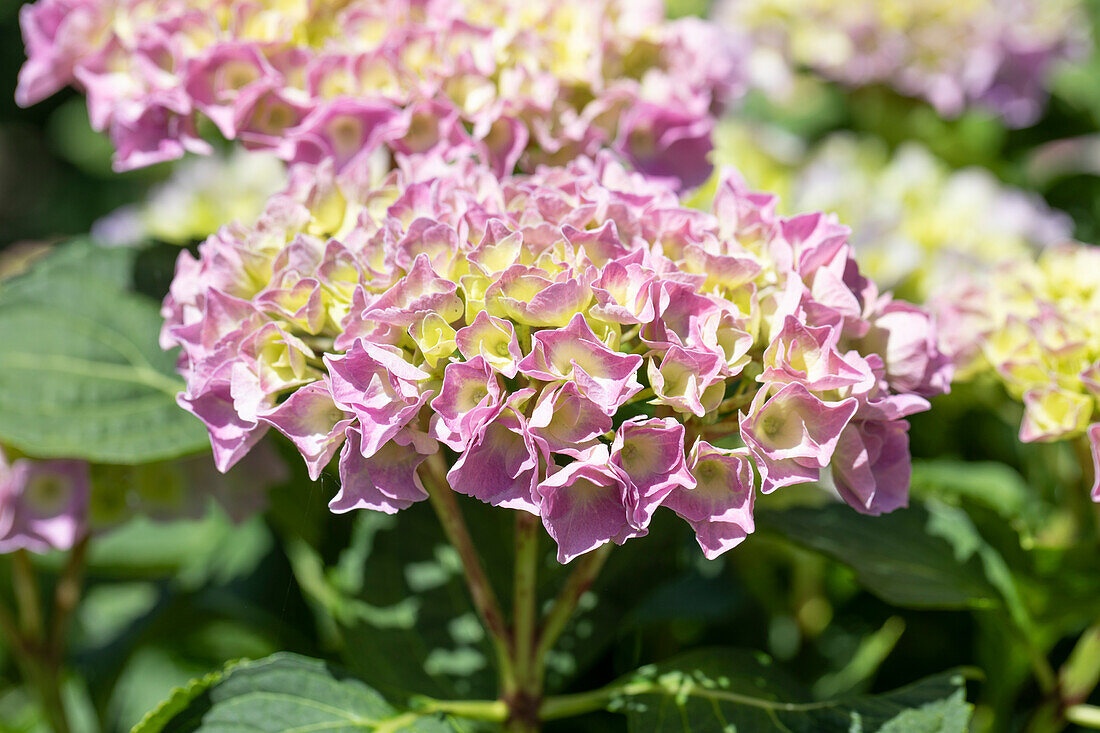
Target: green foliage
396 605
992 484
283 692
81 372
724 690
913 557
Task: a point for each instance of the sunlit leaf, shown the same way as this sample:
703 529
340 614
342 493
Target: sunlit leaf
280 693
81 372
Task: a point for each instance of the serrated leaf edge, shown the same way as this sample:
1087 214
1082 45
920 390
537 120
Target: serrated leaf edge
178 699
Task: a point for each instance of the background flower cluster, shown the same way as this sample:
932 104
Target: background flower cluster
997 54
524 82
918 225
1034 326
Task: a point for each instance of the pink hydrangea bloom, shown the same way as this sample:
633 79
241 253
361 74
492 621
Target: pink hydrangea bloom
718 505
521 81
43 504
588 349
584 505
649 456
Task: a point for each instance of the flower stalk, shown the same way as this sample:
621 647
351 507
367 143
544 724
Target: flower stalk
526 696
37 642
521 648
25 585
526 597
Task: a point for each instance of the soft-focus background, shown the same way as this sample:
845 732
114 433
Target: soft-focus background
995 562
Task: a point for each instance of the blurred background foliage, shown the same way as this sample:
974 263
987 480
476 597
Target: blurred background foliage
994 568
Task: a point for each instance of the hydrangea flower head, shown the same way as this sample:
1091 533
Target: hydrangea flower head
998 54
589 349
522 81
1034 326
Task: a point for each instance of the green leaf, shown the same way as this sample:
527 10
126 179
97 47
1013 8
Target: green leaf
396 606
902 557
209 549
81 372
725 690
992 484
177 703
283 692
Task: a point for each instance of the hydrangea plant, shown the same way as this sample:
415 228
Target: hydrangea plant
58 507
483 283
199 196
571 344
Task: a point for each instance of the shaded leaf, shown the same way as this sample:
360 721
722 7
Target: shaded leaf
902 557
412 627
724 690
992 484
22 712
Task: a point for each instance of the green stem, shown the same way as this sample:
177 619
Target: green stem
1086 716
39 657
65 598
525 699
1044 673
588 567
525 595
47 678
485 599
568 706
9 628
493 711
25 584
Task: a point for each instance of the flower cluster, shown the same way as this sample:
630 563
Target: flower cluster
998 54
1034 325
585 348
523 81
917 225
43 504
